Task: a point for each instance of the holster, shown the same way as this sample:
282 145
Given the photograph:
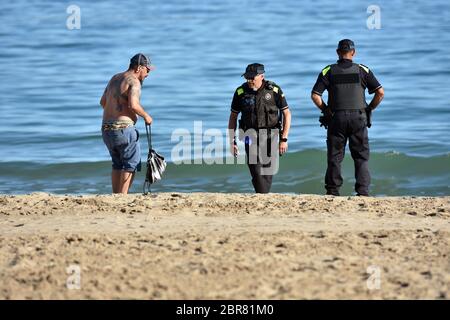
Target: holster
369 116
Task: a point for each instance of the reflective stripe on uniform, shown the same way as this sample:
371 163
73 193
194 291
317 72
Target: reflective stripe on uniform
325 70
364 67
240 91
372 91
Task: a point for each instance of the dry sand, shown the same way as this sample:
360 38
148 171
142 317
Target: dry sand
224 246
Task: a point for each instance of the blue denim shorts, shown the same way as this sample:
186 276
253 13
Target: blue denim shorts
124 148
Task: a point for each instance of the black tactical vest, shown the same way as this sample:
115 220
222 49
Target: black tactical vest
346 91
259 108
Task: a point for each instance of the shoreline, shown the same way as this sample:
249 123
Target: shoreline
224 246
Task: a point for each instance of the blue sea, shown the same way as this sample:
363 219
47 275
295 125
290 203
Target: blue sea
52 78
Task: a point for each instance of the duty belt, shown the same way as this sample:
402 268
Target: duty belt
348 110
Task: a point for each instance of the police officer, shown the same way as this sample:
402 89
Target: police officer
347 115
262 105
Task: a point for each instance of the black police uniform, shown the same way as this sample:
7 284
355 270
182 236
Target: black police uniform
346 83
260 110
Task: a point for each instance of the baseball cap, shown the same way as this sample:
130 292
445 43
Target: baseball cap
346 45
141 59
253 70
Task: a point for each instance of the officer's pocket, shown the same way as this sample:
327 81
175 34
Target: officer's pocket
272 120
271 116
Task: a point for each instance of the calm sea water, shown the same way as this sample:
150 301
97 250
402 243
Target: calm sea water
52 79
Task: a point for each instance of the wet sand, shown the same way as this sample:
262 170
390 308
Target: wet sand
224 246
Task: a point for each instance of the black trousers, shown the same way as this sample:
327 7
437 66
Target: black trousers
348 125
262 164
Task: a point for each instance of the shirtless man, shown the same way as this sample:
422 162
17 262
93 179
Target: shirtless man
121 108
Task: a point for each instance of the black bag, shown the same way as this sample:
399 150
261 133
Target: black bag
156 165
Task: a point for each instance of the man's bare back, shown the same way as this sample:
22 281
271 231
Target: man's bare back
116 95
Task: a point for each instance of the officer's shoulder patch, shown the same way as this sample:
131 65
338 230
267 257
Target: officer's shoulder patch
239 91
365 68
272 86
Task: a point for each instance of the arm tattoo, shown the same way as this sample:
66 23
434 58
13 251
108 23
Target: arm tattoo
135 91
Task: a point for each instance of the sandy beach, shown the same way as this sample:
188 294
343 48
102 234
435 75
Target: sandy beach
224 246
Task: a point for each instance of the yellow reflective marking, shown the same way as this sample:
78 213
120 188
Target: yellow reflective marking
240 91
275 89
325 70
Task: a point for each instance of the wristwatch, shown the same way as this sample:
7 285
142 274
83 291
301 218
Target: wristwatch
283 139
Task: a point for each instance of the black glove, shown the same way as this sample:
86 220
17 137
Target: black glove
326 117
